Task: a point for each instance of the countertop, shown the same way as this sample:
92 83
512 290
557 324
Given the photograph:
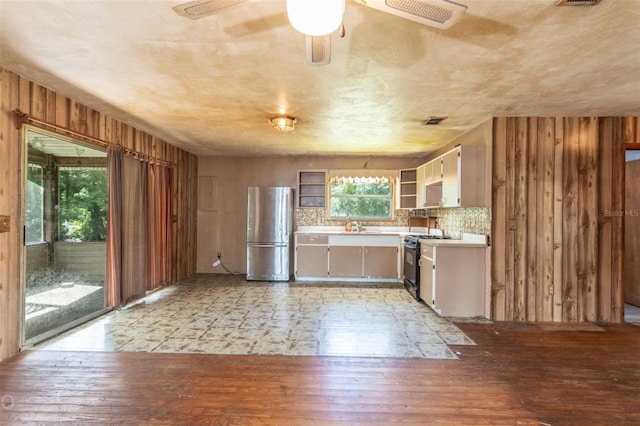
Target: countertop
369 230
452 243
468 240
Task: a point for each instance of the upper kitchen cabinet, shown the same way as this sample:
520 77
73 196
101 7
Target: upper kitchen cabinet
433 171
428 188
312 188
464 177
420 186
408 185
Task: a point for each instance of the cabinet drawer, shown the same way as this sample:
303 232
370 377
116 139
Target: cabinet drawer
426 251
312 239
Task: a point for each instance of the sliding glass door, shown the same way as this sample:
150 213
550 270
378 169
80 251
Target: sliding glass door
64 256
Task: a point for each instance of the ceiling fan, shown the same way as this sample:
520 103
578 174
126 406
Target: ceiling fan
318 19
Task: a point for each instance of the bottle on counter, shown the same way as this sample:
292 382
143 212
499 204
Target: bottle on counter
348 225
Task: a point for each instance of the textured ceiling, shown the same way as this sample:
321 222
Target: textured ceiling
210 85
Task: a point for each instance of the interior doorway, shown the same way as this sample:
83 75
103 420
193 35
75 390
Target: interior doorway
632 237
64 247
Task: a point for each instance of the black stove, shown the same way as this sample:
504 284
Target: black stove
413 239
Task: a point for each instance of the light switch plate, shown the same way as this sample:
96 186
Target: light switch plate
4 223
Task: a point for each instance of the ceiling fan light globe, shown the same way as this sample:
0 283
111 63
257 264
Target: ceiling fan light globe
315 17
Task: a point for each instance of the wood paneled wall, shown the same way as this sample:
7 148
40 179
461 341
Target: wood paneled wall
44 104
557 184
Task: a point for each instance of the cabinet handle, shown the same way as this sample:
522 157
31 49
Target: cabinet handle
420 262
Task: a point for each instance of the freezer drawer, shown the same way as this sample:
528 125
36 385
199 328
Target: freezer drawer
268 262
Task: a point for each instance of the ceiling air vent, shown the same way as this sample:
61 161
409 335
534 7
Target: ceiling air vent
433 121
435 13
578 2
201 8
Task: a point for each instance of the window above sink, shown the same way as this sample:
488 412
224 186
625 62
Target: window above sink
361 197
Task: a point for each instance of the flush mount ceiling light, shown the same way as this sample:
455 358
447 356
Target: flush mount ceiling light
283 123
315 17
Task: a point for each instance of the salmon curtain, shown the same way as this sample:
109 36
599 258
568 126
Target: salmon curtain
158 216
135 192
114 227
138 224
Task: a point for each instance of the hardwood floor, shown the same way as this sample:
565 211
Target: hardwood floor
517 374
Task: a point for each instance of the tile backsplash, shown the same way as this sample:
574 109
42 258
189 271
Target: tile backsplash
452 221
455 221
318 217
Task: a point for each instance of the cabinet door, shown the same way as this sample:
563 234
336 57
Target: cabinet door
312 261
428 172
426 281
420 194
450 179
345 262
381 262
433 172
459 281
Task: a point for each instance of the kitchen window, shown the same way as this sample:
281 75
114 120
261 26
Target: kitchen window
361 198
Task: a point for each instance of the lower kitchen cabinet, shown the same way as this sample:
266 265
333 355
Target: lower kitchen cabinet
380 262
340 257
426 279
312 261
311 258
363 262
452 280
345 262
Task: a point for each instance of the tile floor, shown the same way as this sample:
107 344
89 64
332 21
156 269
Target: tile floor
225 314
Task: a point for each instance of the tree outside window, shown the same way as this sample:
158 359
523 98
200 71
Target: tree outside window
361 200
83 203
35 205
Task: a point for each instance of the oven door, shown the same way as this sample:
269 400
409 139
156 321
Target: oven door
411 277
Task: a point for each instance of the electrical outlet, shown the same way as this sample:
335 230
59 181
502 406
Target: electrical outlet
219 255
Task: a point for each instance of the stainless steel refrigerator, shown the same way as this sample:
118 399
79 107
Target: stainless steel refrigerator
269 233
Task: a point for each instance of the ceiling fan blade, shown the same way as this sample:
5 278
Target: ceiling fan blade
435 13
318 50
201 8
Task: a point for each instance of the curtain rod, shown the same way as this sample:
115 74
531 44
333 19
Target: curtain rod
21 118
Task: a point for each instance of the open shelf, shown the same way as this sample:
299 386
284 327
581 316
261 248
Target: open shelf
312 188
408 184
